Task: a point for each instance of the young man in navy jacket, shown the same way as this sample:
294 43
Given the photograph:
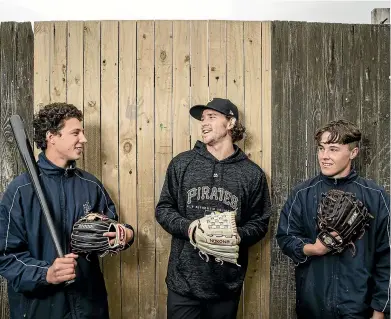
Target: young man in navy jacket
338 285
214 175
28 259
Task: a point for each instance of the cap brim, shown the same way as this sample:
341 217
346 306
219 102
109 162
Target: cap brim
196 111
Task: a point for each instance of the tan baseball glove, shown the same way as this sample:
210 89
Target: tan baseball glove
216 235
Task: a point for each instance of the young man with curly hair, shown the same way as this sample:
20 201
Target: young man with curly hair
338 285
216 175
28 258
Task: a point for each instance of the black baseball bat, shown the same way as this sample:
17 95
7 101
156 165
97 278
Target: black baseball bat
27 154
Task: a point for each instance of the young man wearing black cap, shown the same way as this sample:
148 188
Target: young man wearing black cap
215 175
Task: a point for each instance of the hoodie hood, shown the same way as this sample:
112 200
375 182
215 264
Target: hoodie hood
237 156
50 168
218 168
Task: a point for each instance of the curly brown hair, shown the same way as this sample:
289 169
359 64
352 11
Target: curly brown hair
52 118
341 132
237 132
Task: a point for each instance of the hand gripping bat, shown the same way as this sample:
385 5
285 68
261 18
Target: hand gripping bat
27 154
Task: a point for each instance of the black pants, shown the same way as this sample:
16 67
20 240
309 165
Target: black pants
180 307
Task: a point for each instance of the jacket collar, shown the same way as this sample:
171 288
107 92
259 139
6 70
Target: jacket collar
50 168
352 176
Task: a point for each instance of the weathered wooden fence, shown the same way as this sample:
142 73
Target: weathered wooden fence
135 82
322 72
16 96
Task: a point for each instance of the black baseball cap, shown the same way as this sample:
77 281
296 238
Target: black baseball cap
223 106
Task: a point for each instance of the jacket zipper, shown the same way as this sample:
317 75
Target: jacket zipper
335 275
69 294
63 214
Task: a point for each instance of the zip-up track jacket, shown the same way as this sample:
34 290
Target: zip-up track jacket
338 285
27 250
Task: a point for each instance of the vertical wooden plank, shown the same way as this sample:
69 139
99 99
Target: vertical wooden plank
282 271
92 87
235 68
296 88
235 83
352 53
25 78
92 99
380 16
298 100
333 99
42 35
217 59
199 72
4 304
316 112
8 69
9 166
163 147
383 105
181 86
266 145
348 73
297 104
127 163
75 82
109 148
58 62
366 42
24 84
252 93
145 168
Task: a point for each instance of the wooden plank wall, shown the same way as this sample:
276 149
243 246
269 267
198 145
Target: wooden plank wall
322 72
16 96
135 82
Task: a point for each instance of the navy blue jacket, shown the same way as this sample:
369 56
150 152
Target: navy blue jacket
27 250
339 285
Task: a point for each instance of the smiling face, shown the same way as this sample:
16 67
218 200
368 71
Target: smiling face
68 144
335 159
215 127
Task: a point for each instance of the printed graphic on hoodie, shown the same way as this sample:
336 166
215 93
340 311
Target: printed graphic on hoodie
218 194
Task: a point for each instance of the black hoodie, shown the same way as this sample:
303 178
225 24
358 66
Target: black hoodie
196 184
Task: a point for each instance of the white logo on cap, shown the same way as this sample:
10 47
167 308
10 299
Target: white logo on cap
231 113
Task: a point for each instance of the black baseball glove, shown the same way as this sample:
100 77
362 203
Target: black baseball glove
342 219
87 235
